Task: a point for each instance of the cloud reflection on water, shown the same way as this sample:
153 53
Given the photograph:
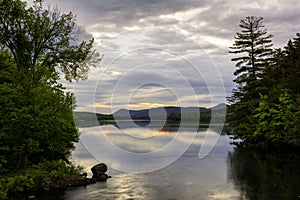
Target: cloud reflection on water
152 150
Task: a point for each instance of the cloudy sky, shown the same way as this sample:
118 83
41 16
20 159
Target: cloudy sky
167 52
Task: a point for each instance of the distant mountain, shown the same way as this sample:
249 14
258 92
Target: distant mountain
154 111
219 106
88 119
145 113
125 112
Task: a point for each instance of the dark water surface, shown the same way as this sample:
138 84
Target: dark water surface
225 173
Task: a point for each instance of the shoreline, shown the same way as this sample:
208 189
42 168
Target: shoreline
44 183
31 182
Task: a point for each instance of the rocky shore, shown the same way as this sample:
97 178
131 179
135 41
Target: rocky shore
46 183
99 175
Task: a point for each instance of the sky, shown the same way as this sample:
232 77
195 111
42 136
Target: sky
167 52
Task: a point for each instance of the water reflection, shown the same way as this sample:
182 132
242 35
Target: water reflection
187 178
225 173
143 149
265 175
123 186
150 140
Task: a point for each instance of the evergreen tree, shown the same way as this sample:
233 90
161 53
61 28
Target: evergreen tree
290 64
278 114
253 44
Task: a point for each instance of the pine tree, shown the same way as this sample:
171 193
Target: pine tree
253 44
291 64
279 111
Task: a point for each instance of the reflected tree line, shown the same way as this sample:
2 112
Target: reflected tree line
260 175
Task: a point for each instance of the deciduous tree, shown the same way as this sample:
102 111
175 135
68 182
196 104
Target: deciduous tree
36 120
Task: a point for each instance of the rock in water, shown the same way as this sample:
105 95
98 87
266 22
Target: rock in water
101 178
99 172
99 169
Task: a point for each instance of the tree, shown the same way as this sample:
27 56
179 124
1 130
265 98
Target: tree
36 120
42 37
278 114
290 65
7 101
276 121
254 44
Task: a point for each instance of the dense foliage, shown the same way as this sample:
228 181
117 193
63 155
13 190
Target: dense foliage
46 175
264 107
36 119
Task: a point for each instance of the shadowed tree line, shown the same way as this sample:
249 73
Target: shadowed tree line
265 105
36 120
37 131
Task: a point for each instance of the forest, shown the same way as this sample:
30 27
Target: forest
265 105
37 130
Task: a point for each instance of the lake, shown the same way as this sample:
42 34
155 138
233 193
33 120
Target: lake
176 163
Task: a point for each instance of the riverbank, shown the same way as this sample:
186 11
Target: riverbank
30 186
47 176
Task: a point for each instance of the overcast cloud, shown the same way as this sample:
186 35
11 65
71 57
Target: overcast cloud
167 52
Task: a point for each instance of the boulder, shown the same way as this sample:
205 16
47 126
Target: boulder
101 178
99 172
99 169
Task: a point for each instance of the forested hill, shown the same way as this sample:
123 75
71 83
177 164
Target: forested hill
173 114
168 110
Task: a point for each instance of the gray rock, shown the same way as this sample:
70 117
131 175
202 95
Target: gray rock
99 172
99 169
101 178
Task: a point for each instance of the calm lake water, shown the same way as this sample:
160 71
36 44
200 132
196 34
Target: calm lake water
225 173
